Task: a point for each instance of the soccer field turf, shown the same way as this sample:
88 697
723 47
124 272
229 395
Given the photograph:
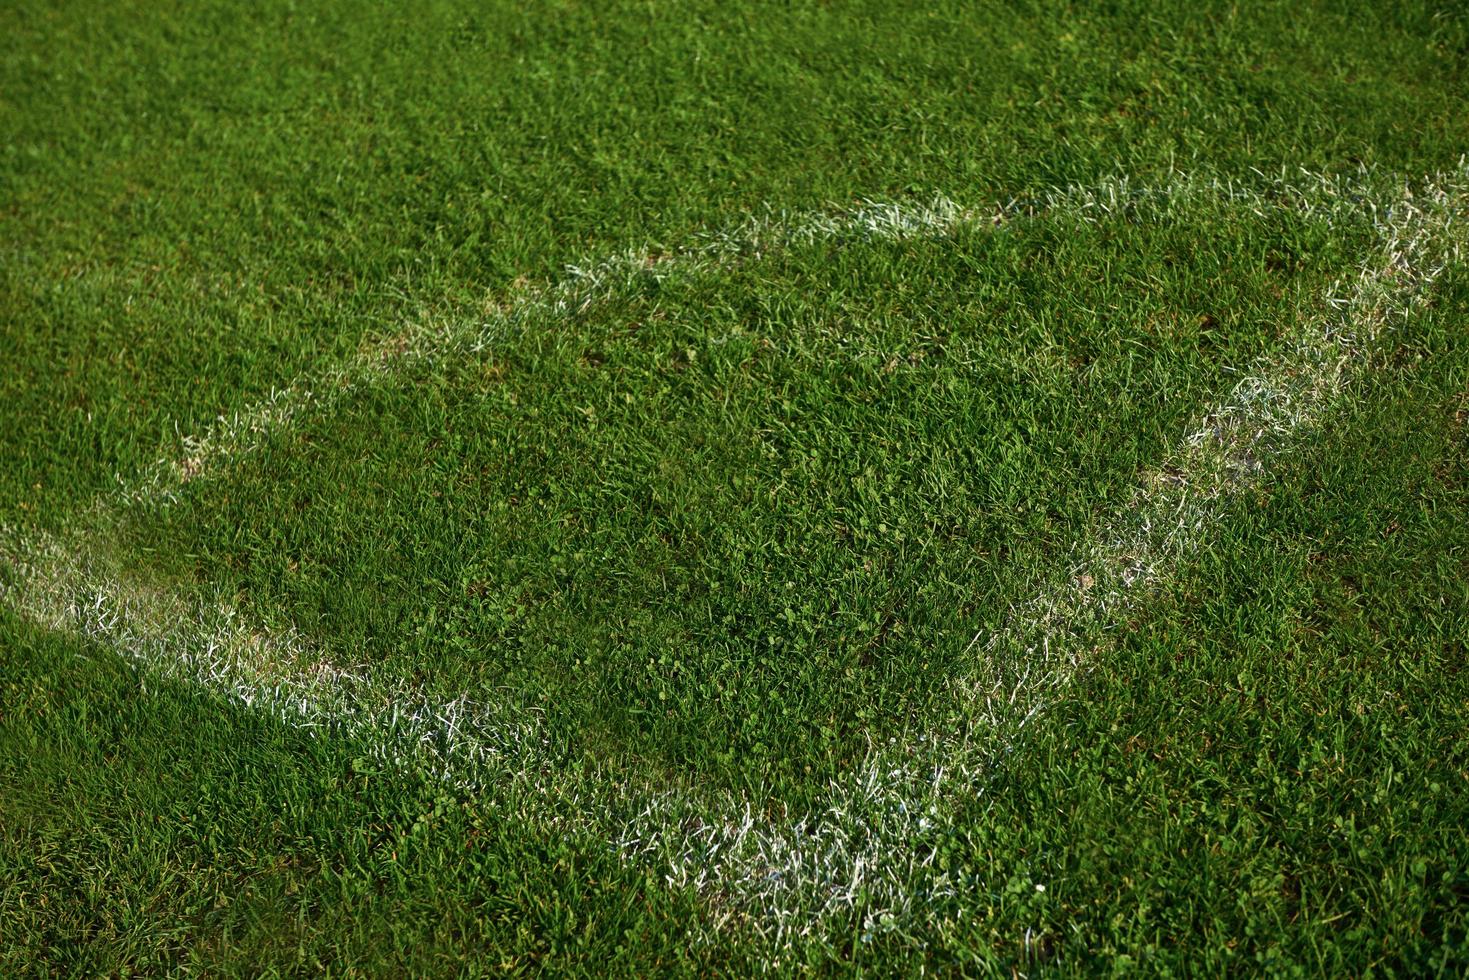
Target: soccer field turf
734 488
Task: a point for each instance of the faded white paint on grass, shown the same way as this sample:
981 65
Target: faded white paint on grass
446 338
873 848
434 340
870 849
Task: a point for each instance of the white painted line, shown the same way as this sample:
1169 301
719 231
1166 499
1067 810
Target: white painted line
870 846
232 436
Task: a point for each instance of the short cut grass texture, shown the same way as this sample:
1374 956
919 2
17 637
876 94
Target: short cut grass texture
483 503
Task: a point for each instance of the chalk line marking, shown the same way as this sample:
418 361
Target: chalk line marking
873 846
870 847
239 433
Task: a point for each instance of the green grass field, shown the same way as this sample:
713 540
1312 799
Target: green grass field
629 489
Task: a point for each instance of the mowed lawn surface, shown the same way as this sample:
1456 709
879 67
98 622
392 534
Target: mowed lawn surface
744 520
731 523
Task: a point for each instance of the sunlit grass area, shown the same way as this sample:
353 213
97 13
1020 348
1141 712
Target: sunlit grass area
716 489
